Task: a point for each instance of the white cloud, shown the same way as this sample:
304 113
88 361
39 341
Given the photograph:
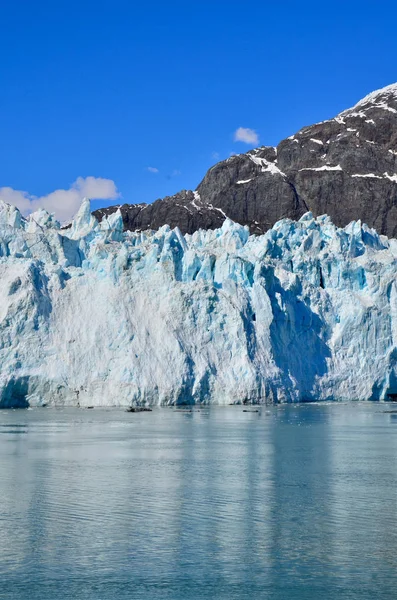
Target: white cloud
64 203
246 135
215 155
152 170
176 173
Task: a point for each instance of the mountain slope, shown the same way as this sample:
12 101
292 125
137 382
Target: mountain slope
345 167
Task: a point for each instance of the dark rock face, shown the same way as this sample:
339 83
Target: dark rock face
185 210
345 167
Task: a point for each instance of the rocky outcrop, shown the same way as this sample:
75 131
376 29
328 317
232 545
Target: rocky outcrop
345 167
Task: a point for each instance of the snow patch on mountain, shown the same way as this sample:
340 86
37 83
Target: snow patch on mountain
376 99
323 168
266 166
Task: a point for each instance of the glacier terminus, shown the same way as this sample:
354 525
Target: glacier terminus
92 315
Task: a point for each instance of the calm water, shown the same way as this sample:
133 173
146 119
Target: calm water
287 503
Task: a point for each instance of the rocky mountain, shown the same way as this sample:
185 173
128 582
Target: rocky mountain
345 167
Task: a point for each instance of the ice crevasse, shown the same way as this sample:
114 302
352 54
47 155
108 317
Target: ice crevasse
93 315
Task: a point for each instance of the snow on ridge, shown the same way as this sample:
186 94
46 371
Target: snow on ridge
375 99
266 166
211 207
196 198
389 90
355 113
323 168
385 106
369 175
372 175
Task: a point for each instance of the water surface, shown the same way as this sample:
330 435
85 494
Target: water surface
291 502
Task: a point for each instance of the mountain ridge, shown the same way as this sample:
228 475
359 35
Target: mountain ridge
345 167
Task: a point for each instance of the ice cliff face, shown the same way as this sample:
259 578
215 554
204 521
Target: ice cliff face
97 316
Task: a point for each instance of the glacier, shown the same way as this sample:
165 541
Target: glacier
92 315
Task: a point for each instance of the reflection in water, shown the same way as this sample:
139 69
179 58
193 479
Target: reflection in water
295 502
302 532
364 495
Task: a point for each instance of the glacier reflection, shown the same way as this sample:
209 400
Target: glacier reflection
292 501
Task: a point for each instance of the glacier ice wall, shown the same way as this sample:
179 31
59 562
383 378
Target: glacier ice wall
92 315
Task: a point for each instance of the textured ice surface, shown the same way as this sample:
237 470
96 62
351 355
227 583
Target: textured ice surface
95 316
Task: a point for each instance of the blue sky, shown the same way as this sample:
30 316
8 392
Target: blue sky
106 90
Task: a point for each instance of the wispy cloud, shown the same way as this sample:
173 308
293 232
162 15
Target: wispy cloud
215 155
64 203
152 170
246 135
176 173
